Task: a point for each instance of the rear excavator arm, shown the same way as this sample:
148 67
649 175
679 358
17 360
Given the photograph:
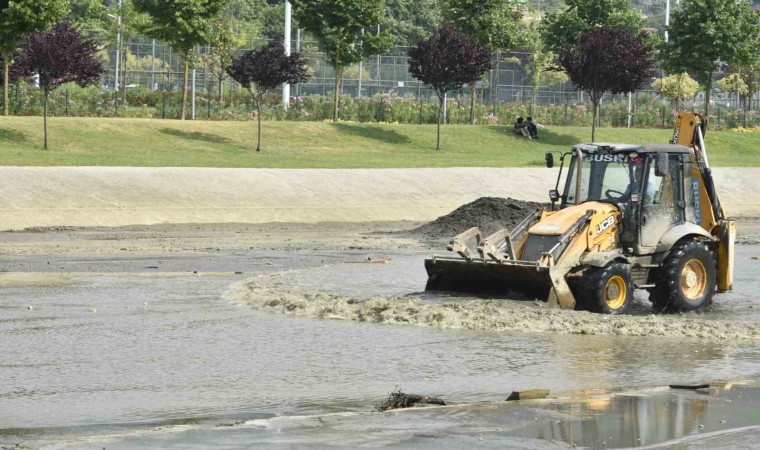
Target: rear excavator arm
690 132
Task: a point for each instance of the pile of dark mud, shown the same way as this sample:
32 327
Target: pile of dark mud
490 214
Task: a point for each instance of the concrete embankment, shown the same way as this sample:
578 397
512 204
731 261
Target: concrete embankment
116 196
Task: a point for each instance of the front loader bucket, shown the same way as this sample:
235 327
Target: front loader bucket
486 277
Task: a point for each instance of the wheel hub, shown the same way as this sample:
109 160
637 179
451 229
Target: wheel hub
693 279
690 278
615 292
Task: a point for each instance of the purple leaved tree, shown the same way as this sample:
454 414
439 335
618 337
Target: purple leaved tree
59 56
264 69
446 61
608 59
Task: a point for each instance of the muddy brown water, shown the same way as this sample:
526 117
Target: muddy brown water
135 350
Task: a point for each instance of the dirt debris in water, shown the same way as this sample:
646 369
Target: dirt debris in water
400 400
490 214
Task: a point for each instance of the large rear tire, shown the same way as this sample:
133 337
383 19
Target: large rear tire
608 290
686 280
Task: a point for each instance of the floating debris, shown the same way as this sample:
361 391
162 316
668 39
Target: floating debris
400 400
530 394
691 387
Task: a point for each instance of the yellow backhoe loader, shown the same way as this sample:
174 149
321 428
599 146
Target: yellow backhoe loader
630 217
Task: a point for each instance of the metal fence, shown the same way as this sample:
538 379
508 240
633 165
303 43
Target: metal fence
153 65
153 76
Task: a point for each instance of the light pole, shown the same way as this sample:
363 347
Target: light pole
153 66
361 71
667 19
288 21
118 50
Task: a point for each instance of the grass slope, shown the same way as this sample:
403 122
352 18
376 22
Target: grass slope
156 143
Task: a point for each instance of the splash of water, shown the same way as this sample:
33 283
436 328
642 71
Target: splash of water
271 293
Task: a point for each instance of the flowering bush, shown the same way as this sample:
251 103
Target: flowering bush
746 130
492 119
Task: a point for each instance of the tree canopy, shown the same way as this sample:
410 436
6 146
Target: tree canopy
346 31
608 59
245 18
18 19
224 43
676 87
537 60
409 21
747 66
703 32
88 14
266 68
58 57
446 61
183 24
492 23
562 28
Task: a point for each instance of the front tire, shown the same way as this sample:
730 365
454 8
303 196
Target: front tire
608 290
686 280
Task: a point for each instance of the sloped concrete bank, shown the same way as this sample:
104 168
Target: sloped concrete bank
117 196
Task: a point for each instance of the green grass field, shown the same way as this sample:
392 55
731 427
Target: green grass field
156 143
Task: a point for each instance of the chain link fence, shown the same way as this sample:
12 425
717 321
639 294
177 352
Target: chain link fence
151 78
153 65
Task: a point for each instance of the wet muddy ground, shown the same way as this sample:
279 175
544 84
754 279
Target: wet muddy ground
233 335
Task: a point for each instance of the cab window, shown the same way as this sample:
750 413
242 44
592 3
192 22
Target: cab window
663 201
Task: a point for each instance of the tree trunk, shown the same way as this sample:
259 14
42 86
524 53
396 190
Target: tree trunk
473 100
747 102
708 88
124 77
183 108
536 81
221 90
593 123
258 109
336 97
45 119
440 116
751 92
6 79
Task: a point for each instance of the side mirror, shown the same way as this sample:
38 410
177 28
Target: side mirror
549 157
662 165
554 195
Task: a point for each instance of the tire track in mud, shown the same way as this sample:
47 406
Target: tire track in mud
273 293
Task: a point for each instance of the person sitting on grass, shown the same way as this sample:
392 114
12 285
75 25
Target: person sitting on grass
520 128
532 127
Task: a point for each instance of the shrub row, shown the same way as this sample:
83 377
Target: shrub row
649 112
